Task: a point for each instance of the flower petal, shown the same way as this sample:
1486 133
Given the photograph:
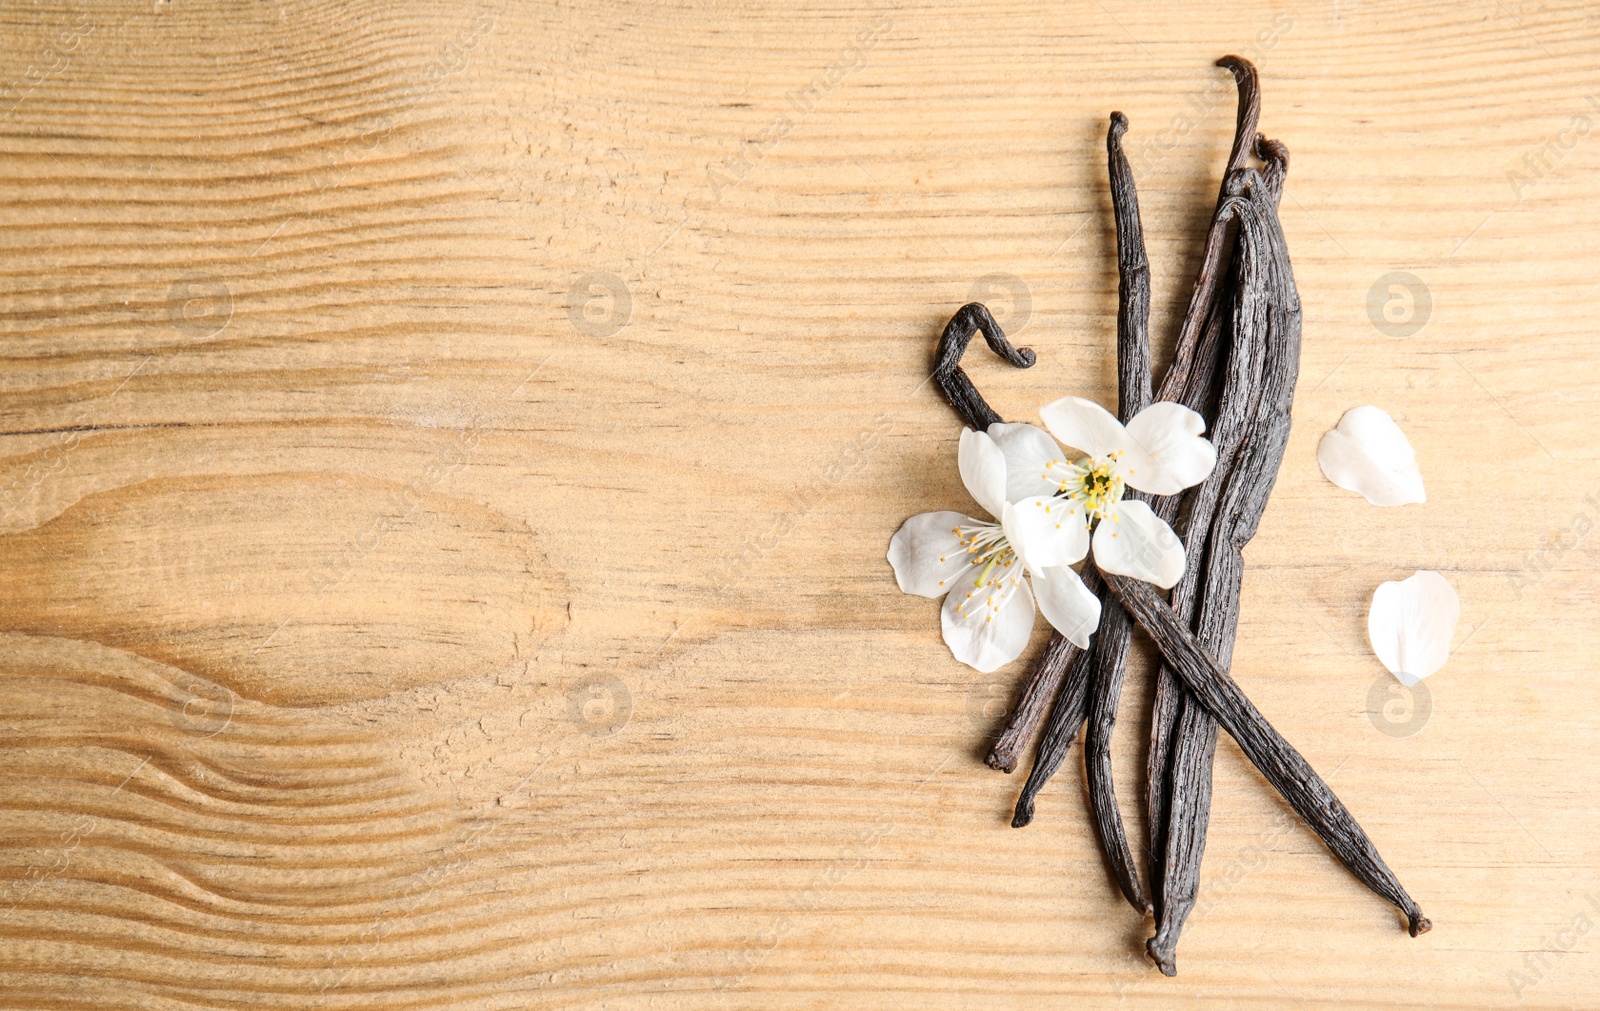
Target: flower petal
927 554
1035 465
1086 426
1045 530
988 626
1067 604
983 471
1411 623
1133 541
1175 457
1369 454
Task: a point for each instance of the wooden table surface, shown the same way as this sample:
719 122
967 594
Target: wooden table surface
449 452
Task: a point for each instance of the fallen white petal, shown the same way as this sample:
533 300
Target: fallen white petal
988 626
927 554
983 470
1369 454
1411 623
1067 604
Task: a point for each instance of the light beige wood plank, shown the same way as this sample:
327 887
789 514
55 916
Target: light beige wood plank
449 450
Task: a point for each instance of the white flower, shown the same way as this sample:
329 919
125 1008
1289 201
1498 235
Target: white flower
1369 454
1160 452
1046 508
1411 624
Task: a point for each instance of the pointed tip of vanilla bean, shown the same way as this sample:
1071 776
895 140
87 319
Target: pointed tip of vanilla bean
1119 125
1238 65
1248 84
1164 959
1268 150
1065 719
1023 817
1284 767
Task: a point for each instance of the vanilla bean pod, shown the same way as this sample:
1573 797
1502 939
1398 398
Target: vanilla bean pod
1213 269
1222 393
1192 380
1251 432
947 372
1276 758
1115 633
972 318
1202 395
1231 415
1094 683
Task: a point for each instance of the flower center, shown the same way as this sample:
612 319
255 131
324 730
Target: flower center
1095 484
986 545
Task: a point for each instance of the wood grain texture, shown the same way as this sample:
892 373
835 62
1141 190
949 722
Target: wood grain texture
447 454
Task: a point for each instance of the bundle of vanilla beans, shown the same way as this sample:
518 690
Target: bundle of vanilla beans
1236 361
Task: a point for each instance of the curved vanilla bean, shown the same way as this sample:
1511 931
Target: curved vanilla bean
1276 758
1212 268
1248 82
958 389
972 318
1115 633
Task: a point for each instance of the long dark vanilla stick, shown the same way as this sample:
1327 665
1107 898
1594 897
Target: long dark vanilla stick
1188 381
1208 283
1094 678
1115 633
1251 432
1202 394
1276 758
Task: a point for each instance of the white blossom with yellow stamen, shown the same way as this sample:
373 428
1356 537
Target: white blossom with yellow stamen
1050 508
